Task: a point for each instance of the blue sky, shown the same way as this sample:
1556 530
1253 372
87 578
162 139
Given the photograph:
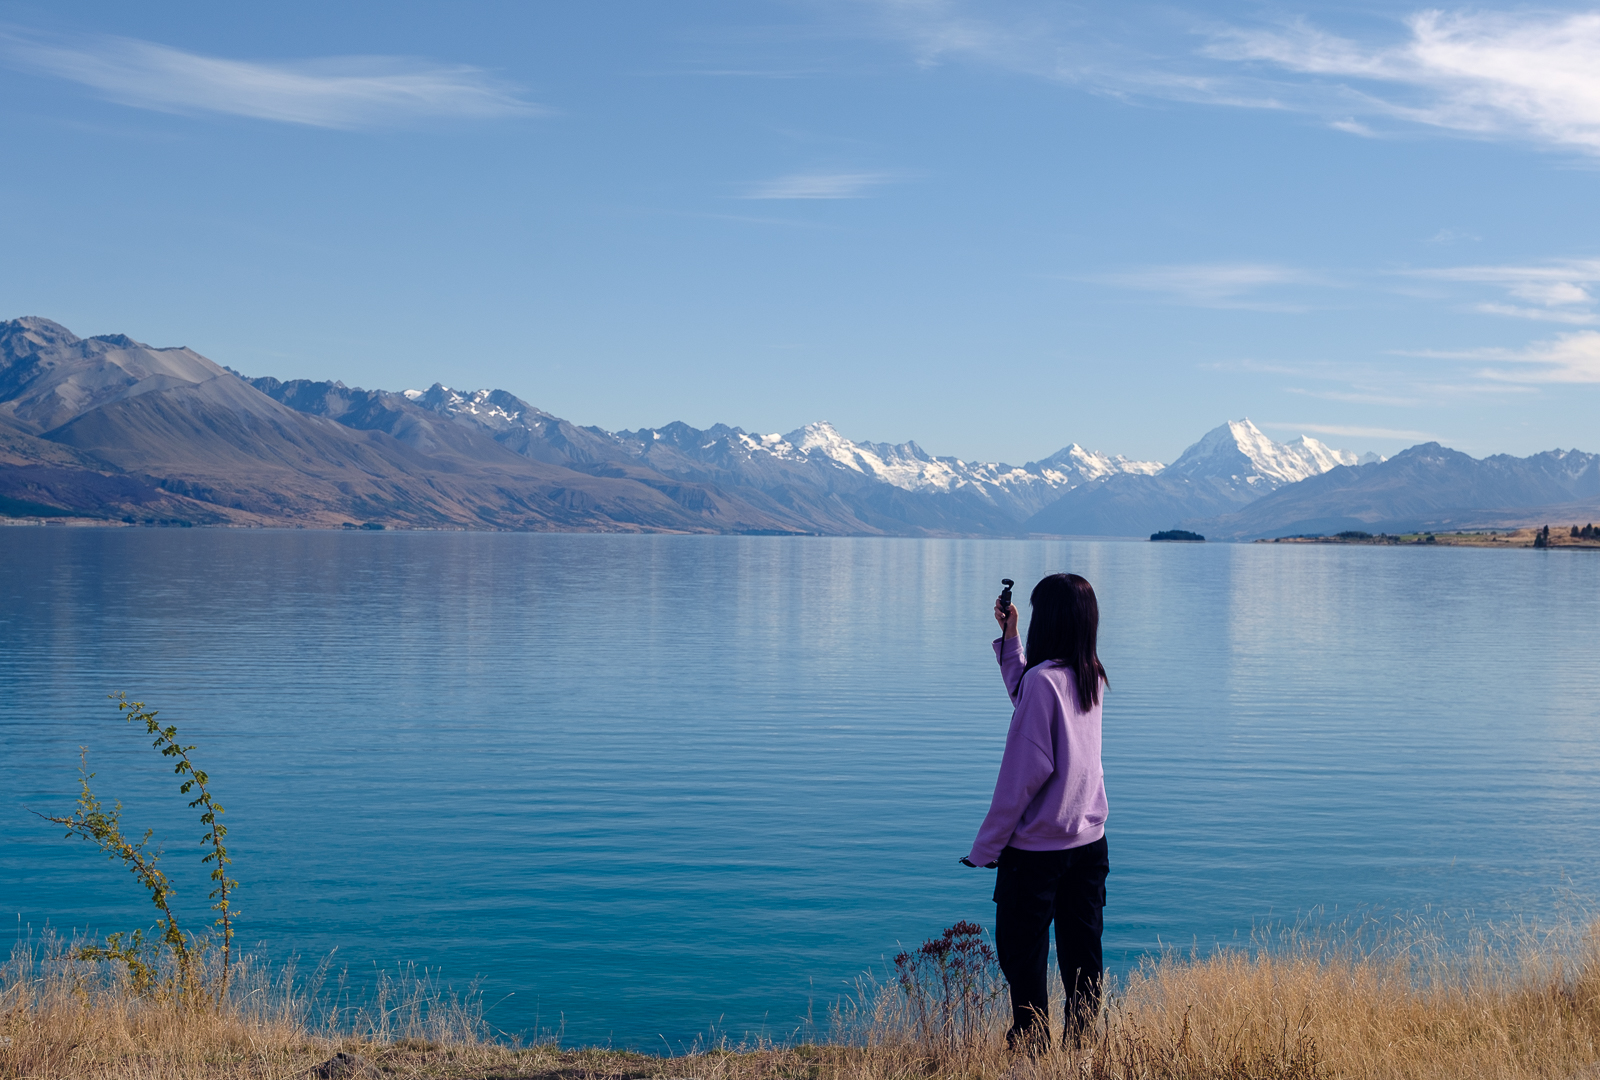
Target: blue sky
992 228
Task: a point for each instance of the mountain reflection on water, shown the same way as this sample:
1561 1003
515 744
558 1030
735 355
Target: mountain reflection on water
656 785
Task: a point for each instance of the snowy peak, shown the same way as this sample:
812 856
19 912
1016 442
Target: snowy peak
1236 456
904 465
911 468
1079 466
822 440
491 408
1319 456
1237 452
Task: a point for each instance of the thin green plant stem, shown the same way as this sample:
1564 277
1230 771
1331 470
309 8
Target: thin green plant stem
92 822
166 740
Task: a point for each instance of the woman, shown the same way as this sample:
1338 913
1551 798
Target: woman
1046 825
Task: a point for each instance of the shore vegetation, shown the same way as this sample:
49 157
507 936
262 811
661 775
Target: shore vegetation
1574 536
1506 1006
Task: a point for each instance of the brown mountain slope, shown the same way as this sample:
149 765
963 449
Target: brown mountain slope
110 427
554 441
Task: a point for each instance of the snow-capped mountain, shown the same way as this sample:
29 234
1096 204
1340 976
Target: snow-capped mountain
817 479
1238 453
908 466
819 456
1425 487
108 429
912 468
816 456
1230 467
516 425
1075 465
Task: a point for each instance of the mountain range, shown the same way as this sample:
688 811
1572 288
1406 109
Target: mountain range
1427 487
106 427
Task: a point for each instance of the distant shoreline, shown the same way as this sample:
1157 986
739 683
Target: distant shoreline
1485 538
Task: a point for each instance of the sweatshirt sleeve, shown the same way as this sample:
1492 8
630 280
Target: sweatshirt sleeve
1012 664
1028 763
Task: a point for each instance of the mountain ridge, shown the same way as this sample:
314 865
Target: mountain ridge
108 427
1424 487
784 473
1227 468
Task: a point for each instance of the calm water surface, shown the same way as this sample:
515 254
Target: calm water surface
655 785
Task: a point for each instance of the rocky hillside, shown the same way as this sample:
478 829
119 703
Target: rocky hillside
1428 487
107 427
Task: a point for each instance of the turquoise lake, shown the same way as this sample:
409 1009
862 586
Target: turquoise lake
655 787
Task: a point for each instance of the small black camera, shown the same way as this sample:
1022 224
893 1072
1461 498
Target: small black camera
1005 593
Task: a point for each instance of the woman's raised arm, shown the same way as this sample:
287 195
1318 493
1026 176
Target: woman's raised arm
1008 649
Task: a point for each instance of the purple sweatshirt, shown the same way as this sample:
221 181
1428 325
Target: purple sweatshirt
1051 794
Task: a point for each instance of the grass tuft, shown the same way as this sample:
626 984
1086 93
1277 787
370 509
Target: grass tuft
1506 1005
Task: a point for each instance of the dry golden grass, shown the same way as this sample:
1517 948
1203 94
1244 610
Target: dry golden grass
1519 1006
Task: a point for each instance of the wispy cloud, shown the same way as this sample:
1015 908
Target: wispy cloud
1524 74
1060 43
1218 285
1382 382
940 29
1560 291
1545 314
1556 271
1565 358
1519 74
332 92
818 186
1352 126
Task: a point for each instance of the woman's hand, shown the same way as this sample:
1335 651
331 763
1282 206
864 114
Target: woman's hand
1007 618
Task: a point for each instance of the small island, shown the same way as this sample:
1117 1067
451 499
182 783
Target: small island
1178 534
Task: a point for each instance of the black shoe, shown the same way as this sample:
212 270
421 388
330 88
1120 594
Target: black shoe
1029 1040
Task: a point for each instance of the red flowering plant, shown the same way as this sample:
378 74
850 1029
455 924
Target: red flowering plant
951 985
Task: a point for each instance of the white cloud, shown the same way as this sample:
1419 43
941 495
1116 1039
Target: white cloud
818 186
1371 381
1551 293
1559 291
1353 127
1230 285
334 92
1565 358
1575 318
936 29
1525 74
1562 270
1060 43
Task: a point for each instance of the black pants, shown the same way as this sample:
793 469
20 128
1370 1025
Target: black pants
1032 890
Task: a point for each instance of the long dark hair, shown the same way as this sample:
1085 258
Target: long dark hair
1063 628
